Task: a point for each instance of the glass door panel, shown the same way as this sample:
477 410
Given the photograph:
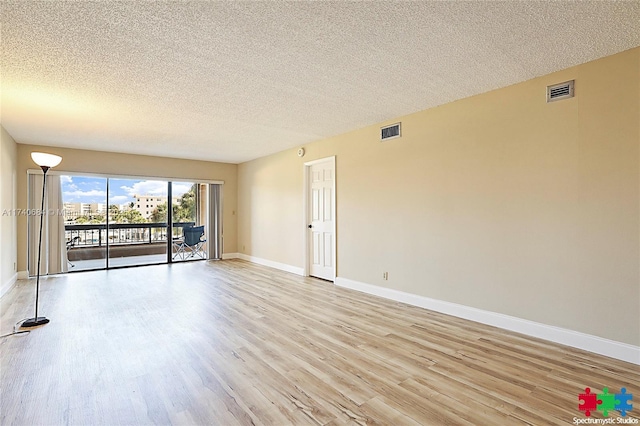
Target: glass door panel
137 226
187 215
85 211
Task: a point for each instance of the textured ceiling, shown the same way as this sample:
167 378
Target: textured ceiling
233 81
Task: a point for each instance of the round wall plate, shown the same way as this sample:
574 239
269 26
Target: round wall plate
301 152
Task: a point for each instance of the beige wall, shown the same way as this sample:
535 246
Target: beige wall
500 202
270 208
8 222
75 160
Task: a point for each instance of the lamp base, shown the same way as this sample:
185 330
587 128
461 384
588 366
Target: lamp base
32 322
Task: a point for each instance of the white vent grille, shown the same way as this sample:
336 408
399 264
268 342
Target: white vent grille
390 132
560 91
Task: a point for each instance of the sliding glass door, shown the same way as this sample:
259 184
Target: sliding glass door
116 222
188 221
137 227
85 221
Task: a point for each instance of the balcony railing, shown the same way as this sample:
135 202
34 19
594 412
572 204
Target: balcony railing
97 234
126 240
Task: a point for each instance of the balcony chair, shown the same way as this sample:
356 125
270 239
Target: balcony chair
71 244
191 244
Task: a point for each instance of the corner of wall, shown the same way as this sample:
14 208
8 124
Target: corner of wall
277 265
8 285
8 203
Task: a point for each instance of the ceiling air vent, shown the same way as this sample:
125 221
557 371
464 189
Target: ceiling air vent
390 132
560 91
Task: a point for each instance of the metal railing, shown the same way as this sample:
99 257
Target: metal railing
97 234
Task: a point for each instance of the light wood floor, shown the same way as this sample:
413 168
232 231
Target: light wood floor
226 343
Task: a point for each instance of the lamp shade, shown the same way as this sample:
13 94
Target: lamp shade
45 160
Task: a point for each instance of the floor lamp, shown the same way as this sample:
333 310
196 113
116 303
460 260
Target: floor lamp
45 161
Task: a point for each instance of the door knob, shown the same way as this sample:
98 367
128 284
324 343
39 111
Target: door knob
310 226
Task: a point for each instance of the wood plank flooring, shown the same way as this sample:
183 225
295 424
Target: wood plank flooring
234 343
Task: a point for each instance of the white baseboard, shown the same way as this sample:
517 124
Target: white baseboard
230 256
599 345
23 275
8 285
277 265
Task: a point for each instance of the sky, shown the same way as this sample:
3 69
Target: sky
81 189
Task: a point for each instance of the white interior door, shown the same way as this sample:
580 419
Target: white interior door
321 219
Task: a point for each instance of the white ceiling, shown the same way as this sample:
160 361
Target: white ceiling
234 81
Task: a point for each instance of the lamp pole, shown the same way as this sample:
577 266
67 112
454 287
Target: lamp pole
45 161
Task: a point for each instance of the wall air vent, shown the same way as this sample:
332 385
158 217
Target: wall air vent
390 132
560 91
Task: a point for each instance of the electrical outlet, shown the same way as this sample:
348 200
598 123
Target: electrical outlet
14 267
385 275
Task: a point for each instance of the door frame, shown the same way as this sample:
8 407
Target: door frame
306 200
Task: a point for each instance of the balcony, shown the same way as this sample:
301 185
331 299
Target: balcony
129 244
